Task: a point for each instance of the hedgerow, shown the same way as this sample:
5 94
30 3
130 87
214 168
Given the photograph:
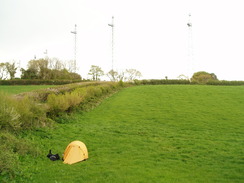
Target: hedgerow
38 82
226 83
184 81
161 81
65 102
41 95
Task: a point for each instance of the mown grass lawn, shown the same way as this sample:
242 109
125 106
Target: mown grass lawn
16 89
165 133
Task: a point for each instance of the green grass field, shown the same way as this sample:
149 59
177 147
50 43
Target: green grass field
16 89
165 133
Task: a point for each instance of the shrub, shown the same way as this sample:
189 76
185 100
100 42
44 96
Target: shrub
33 114
74 98
9 116
22 114
203 77
63 102
57 103
121 83
106 88
93 92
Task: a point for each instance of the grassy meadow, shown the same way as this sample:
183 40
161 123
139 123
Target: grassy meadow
163 133
16 89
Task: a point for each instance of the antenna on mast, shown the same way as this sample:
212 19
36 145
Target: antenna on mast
75 33
112 26
45 53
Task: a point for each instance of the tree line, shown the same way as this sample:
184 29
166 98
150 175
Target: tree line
46 69
128 75
55 69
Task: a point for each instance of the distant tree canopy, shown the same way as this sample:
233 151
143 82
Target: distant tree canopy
96 72
7 70
47 69
203 77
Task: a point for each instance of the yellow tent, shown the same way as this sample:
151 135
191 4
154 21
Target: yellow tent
76 151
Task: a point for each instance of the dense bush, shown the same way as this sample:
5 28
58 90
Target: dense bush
33 114
65 102
9 116
22 114
203 77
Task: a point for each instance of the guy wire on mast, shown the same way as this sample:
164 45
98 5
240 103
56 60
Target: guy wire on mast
75 33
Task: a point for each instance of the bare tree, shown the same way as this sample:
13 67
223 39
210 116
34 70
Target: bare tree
182 76
70 65
96 72
3 71
121 76
55 64
112 74
132 74
11 69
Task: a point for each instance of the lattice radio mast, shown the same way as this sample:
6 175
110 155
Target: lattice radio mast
190 47
75 33
112 26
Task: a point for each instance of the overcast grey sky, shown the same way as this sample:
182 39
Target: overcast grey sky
150 35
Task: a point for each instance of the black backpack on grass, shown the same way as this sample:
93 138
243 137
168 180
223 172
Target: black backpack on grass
53 157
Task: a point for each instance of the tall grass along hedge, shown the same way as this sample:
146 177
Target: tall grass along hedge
65 102
16 116
41 95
